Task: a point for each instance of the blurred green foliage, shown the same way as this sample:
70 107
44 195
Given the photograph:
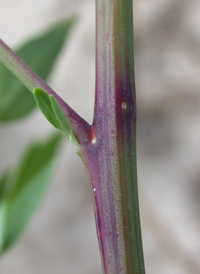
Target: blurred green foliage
40 55
22 188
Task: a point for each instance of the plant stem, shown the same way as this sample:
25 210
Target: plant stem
111 157
31 80
108 147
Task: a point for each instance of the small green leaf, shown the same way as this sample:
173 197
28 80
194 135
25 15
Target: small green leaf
43 102
53 112
40 54
27 186
64 124
60 115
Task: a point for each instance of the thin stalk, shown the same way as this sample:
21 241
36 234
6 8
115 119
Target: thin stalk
31 80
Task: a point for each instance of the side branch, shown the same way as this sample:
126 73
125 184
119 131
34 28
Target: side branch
31 80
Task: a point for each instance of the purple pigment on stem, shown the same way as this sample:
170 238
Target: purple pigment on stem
108 147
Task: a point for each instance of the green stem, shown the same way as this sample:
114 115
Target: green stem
31 80
20 69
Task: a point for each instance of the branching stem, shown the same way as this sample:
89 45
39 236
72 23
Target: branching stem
108 147
31 80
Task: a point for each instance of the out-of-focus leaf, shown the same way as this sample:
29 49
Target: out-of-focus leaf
27 185
2 224
3 180
40 54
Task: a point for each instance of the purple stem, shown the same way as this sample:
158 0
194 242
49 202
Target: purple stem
111 157
108 147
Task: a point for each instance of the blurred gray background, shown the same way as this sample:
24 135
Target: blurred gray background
61 237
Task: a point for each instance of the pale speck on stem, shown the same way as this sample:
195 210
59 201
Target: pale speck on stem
93 140
124 106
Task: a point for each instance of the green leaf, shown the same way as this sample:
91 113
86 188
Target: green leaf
3 180
2 225
43 102
54 113
40 54
64 124
27 185
60 115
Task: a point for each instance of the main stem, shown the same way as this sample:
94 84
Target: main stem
108 147
111 157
